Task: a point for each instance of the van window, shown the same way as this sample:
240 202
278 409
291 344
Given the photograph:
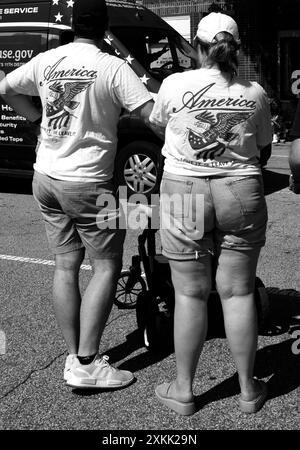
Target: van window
161 52
172 53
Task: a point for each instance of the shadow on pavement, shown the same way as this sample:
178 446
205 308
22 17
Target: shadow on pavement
138 362
276 362
284 311
279 362
274 181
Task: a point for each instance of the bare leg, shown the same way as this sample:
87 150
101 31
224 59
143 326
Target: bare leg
192 283
235 280
97 303
67 297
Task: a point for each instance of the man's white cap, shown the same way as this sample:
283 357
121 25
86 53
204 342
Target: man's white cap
215 23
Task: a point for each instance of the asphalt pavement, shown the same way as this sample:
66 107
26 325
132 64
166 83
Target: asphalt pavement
33 395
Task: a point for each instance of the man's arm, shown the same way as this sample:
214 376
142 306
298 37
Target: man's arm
21 104
144 112
159 131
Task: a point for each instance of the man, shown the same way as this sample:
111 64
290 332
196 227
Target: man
294 159
82 91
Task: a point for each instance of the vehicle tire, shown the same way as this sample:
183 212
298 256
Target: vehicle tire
128 289
137 167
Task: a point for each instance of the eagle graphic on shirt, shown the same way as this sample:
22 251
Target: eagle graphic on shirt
212 129
60 104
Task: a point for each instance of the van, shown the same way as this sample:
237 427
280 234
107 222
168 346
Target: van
146 42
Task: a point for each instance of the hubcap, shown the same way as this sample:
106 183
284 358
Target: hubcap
140 173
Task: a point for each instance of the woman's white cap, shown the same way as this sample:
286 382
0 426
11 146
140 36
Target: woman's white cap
215 23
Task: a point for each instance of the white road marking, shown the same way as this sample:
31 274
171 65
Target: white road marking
44 262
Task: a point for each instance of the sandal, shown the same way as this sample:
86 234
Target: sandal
252 406
183 408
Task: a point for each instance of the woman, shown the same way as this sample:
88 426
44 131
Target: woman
213 210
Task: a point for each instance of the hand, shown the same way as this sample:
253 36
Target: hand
294 184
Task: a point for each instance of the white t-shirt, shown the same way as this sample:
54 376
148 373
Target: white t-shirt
82 91
213 126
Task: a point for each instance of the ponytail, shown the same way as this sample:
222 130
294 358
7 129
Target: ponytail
223 52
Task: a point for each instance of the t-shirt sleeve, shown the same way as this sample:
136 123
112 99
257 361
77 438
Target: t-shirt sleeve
160 113
128 90
295 131
23 79
264 125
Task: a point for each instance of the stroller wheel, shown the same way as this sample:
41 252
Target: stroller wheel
128 288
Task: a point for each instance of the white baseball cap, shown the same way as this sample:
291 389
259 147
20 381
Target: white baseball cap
215 23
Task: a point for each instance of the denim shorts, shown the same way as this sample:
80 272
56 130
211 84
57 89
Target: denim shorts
198 215
71 212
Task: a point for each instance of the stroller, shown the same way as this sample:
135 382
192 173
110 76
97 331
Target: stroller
148 288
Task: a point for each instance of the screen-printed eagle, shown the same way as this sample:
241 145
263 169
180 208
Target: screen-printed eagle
211 129
60 103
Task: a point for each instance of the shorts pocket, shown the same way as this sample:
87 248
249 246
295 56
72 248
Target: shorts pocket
248 192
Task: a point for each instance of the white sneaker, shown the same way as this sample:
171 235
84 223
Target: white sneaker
68 366
98 374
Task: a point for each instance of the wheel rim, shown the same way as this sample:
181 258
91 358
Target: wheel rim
124 297
140 173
